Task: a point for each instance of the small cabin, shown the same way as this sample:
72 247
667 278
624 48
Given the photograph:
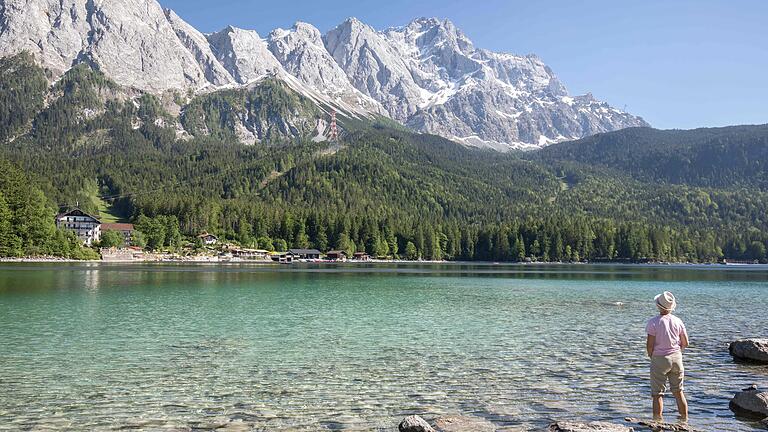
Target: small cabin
336 256
361 256
282 257
208 239
305 254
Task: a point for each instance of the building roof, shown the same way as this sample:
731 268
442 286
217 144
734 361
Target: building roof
116 227
203 235
75 212
304 251
244 250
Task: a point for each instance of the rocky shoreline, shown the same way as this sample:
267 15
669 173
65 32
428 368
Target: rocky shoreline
749 403
416 423
43 260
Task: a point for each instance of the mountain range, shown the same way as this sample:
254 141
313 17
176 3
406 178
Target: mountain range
426 75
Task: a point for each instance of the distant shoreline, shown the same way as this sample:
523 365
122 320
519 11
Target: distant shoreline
43 260
46 260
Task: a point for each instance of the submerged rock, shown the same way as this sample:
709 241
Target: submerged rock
414 423
755 350
463 424
751 402
662 426
588 427
236 426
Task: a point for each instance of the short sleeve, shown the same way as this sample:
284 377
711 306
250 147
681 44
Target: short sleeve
650 328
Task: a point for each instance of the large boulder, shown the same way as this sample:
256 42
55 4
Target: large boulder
751 402
414 423
463 424
588 427
754 350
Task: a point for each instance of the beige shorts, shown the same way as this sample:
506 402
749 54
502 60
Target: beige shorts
665 368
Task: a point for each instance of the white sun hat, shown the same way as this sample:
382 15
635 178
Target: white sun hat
666 301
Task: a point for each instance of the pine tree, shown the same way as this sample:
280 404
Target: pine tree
410 251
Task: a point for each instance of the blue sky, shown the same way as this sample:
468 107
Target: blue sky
678 63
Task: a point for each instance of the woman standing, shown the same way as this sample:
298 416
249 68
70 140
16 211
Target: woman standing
667 338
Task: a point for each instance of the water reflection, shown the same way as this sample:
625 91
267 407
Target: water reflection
92 281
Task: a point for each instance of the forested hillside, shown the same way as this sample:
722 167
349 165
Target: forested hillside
267 112
177 163
727 157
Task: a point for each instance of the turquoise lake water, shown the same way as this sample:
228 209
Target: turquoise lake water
167 347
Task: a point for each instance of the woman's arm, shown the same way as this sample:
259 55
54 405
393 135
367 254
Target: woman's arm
649 345
683 341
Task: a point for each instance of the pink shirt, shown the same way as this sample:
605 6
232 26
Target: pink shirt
668 330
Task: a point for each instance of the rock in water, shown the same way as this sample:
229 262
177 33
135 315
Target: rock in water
661 426
751 403
588 427
414 423
755 350
463 424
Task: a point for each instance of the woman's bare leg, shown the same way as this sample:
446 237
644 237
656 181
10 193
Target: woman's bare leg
658 407
682 405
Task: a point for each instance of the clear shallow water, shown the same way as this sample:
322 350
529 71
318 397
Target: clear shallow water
102 347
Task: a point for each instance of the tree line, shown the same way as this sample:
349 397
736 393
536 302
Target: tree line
556 238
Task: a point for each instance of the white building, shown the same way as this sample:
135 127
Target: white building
87 227
208 239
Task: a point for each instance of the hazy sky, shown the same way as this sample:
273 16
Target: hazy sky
677 63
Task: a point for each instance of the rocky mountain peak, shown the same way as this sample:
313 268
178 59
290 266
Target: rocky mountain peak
427 74
300 34
198 45
302 54
434 31
309 31
354 22
374 66
243 54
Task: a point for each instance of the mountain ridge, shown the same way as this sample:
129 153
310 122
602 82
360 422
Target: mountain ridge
723 157
427 74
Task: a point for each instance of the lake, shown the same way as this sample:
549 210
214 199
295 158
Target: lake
358 347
